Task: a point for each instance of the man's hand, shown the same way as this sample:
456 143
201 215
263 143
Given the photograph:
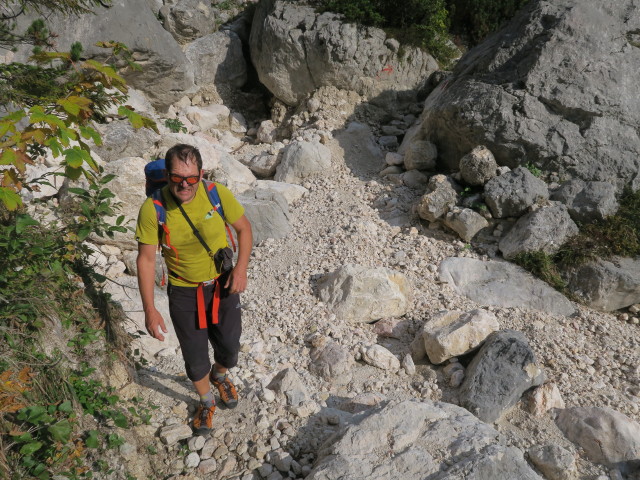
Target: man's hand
237 281
155 324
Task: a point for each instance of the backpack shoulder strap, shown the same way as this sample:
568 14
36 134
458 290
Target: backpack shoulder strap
214 198
160 206
161 214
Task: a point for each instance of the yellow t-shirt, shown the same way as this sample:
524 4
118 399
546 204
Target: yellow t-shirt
189 260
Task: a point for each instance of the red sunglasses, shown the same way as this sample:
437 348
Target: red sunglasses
191 180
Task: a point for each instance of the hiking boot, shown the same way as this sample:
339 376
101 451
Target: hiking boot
203 419
226 389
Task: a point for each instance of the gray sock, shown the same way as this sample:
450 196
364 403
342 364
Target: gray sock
207 399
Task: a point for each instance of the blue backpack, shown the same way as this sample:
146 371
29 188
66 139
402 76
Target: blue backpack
154 173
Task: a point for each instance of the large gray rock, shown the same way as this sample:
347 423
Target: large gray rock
426 440
290 191
550 89
607 284
120 139
268 213
543 230
295 51
301 160
587 201
165 75
187 20
361 294
510 194
421 155
503 369
607 436
502 284
217 59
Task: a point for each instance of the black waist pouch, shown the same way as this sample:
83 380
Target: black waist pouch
223 260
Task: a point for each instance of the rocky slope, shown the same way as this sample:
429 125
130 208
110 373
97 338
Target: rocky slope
356 319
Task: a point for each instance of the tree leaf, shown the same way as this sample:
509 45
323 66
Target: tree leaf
107 178
78 191
30 448
75 157
8 156
120 420
92 439
88 132
72 173
23 221
84 232
73 105
60 431
104 69
10 198
65 407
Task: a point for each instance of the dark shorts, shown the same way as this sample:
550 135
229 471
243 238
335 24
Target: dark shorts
194 342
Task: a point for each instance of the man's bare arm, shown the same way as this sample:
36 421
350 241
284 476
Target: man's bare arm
146 263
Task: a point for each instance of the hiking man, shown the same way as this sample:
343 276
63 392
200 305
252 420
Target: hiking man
204 301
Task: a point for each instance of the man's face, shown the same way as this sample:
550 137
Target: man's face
179 177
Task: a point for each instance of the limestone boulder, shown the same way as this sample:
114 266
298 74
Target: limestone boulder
452 333
296 50
290 191
543 230
430 441
421 155
607 436
555 462
263 165
503 369
217 59
587 201
607 284
268 213
465 222
209 117
301 160
510 194
120 139
441 196
547 89
502 284
361 294
165 75
380 357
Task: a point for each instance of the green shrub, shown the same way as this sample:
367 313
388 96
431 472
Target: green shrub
475 19
542 266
